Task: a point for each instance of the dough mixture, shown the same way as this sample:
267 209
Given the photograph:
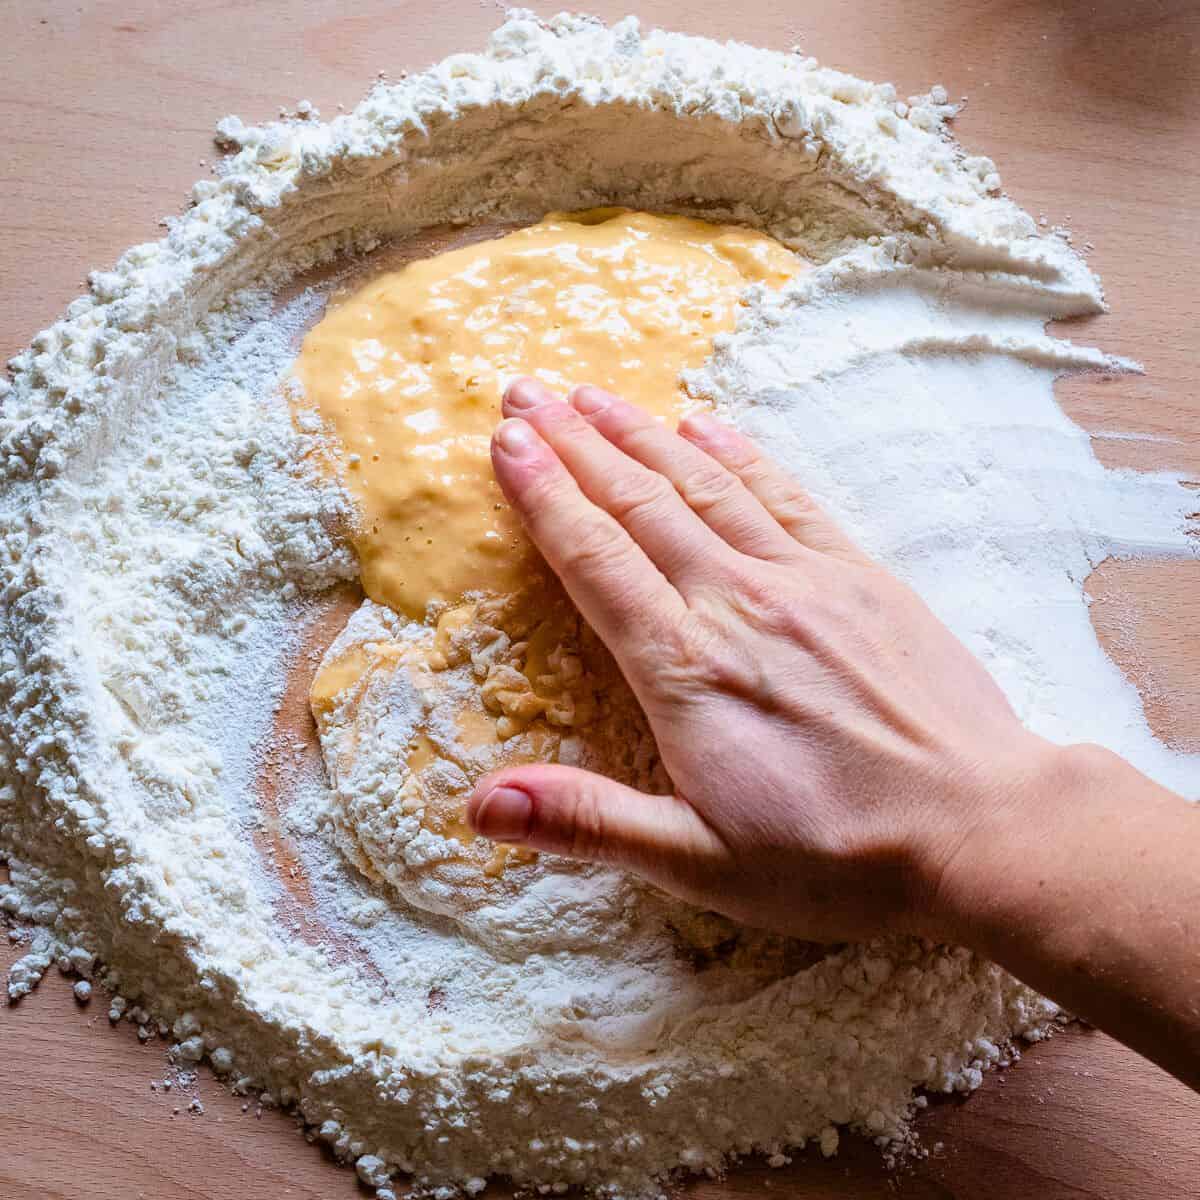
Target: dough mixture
190 492
406 374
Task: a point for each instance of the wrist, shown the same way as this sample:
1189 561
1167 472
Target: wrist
1009 837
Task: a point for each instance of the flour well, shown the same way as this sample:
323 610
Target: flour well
168 548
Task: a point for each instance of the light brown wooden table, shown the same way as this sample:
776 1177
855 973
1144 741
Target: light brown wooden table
1092 111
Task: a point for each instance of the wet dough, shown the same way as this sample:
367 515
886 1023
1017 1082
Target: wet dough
406 374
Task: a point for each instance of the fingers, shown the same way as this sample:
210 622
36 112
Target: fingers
608 576
774 488
711 491
578 814
641 500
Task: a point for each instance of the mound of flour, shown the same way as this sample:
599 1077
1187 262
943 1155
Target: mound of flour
165 543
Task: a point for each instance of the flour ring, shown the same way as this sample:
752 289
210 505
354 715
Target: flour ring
165 534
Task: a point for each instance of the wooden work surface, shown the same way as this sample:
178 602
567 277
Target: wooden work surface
1091 110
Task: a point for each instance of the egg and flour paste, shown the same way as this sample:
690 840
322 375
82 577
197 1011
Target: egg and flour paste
187 501
407 374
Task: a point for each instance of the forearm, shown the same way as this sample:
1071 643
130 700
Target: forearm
1093 897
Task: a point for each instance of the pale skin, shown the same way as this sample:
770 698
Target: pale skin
843 766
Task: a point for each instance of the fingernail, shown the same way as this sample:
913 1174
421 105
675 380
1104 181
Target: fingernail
527 393
587 399
504 815
516 437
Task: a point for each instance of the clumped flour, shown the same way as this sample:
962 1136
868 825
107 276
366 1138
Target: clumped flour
166 543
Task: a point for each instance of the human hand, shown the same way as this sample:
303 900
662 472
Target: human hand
831 742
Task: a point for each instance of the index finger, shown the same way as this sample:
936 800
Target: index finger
606 573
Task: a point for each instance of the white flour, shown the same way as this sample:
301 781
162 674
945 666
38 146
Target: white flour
164 540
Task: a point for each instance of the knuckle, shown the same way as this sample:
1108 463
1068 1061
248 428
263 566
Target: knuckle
793 620
708 487
641 496
777 615
842 614
585 831
593 546
698 660
777 605
790 502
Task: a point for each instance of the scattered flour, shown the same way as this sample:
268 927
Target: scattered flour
165 544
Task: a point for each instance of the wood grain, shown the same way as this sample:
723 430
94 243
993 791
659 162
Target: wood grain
1091 111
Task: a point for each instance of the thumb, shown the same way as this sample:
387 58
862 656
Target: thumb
579 814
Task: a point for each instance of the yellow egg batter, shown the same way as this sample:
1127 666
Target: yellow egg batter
407 374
